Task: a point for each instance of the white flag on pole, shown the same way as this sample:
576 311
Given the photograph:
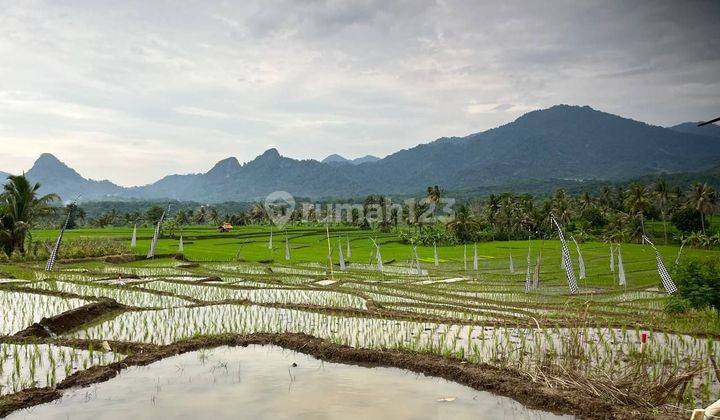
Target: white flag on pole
133 240
512 265
581 262
677 259
287 248
528 275
56 249
621 268
669 285
341 258
181 247
435 252
567 262
475 258
536 275
270 245
417 261
156 235
378 256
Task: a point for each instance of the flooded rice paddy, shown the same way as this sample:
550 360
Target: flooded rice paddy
273 383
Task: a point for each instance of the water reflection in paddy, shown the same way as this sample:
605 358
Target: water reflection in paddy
260 382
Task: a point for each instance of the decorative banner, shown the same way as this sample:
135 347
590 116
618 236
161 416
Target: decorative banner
417 261
677 259
567 262
621 269
465 257
475 258
581 262
512 266
133 241
156 235
53 255
181 248
341 258
536 276
437 261
528 278
669 285
270 246
330 262
612 258
287 248
349 253
378 256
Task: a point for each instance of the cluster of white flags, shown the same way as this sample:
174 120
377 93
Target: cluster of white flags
156 235
567 262
669 285
133 240
53 255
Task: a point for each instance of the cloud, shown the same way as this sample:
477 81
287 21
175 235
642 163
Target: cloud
200 112
163 88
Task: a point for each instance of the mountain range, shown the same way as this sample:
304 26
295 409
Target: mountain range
338 160
561 143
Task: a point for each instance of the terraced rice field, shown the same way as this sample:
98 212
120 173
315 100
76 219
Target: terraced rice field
451 311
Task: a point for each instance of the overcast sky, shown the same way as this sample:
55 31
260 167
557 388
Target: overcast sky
132 91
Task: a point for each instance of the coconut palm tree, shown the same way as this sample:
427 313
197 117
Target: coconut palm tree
662 198
20 206
702 198
561 206
434 193
463 224
637 202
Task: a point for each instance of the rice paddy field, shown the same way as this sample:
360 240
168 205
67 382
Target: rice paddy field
237 284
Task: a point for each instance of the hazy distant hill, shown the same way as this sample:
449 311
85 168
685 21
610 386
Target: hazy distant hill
712 130
337 160
562 143
228 180
56 177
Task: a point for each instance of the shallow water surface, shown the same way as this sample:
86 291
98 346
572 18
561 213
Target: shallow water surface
259 382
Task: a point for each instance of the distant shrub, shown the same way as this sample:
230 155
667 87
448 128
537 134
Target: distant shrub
73 248
426 236
698 283
687 220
